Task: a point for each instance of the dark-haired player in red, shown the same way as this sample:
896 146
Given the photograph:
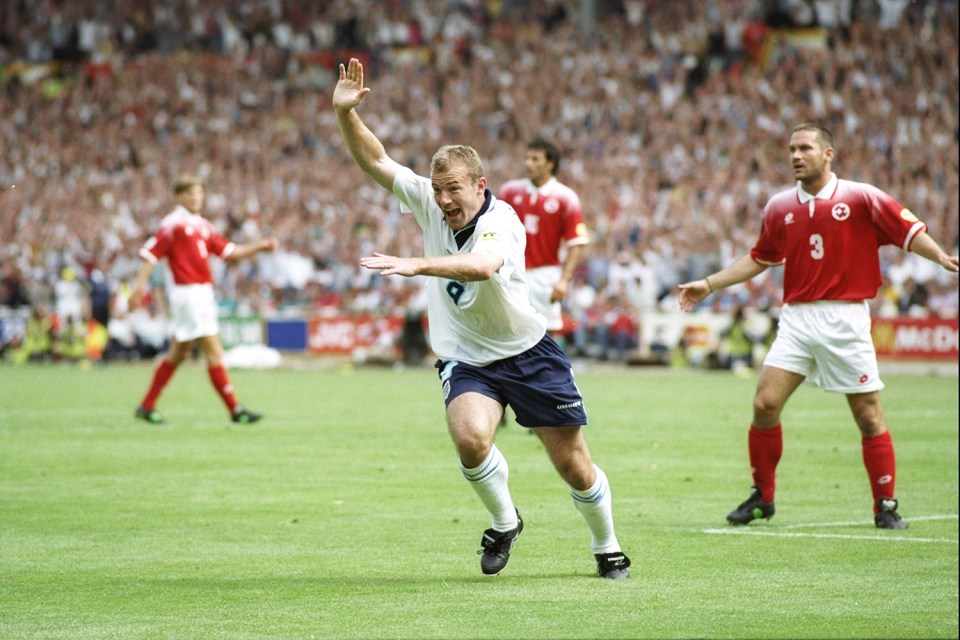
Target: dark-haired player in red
826 232
186 240
553 219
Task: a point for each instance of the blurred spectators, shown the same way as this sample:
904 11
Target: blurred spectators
13 293
671 116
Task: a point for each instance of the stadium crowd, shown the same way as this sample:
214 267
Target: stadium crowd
672 117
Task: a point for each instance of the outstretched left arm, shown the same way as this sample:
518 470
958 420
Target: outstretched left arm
242 251
925 246
462 267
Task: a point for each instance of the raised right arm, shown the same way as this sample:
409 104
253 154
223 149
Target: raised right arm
366 148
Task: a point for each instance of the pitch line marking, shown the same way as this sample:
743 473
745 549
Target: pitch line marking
783 533
852 523
839 536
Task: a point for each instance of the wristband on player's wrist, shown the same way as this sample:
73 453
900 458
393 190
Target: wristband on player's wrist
709 286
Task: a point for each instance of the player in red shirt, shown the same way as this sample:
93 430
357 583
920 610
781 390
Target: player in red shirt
826 233
187 240
551 214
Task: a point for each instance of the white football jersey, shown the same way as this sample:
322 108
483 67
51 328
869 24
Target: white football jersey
474 322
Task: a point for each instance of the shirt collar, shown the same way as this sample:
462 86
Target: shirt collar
823 194
462 235
186 213
544 188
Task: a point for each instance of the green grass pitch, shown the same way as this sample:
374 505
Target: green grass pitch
343 513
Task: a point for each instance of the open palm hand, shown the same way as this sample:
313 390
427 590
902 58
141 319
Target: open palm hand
349 91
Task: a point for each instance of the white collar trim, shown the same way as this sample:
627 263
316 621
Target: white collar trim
823 194
545 188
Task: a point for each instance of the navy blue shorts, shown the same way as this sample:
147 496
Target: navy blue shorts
537 384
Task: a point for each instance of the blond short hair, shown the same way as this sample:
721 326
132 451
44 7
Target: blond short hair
452 155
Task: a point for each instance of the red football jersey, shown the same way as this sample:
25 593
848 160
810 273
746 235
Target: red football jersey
828 243
186 240
551 215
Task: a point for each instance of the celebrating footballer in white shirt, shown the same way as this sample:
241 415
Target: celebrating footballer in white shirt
492 346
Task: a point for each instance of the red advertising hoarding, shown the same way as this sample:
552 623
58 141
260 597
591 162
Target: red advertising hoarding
916 338
340 335
894 338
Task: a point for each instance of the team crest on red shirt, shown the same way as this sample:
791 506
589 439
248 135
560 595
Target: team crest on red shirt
551 206
841 211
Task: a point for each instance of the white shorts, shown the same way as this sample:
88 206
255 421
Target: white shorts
193 312
830 344
541 281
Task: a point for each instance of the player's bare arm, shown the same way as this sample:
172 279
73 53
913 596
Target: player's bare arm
246 250
366 148
139 285
693 293
925 246
467 267
562 287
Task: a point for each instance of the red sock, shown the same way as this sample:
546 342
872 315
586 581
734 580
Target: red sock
766 446
161 376
221 382
881 466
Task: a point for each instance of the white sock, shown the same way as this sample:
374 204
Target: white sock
595 506
489 480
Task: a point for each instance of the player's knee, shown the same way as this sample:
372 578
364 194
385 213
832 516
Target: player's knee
871 423
766 408
868 414
472 447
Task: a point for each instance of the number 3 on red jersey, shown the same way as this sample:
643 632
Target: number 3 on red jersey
816 246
